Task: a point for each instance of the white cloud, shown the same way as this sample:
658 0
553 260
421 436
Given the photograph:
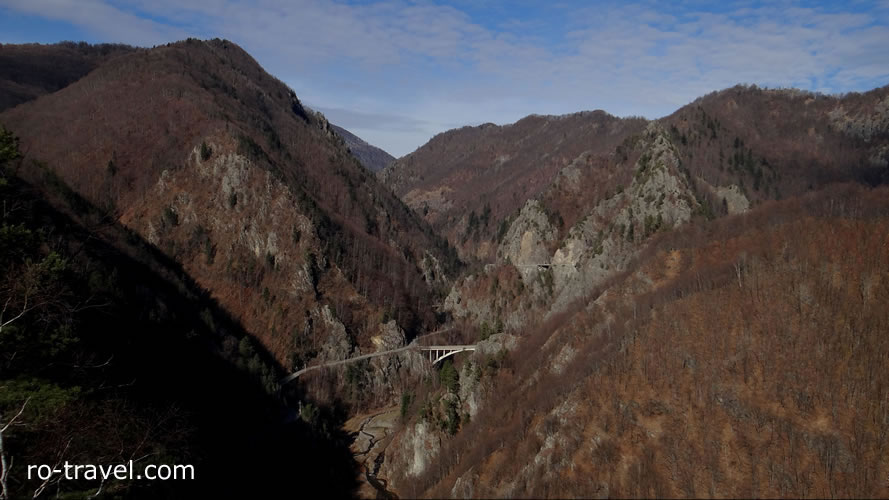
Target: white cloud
407 69
101 18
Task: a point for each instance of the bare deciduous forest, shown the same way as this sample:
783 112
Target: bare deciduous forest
750 366
694 306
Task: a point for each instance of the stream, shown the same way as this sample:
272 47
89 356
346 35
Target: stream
369 448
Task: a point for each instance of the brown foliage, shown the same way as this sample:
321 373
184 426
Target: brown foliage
32 70
500 167
776 144
114 133
756 371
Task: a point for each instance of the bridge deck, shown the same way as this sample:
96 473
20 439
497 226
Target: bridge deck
449 349
468 347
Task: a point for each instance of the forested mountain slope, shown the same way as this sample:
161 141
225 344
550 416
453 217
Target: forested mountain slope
372 157
466 181
768 144
689 306
32 70
722 154
206 156
110 352
735 358
655 323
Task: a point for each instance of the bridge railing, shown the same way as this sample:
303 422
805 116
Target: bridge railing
437 353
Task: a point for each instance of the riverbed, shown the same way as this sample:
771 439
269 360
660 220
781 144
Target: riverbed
372 433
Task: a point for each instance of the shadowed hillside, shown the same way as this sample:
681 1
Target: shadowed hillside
32 70
112 353
683 307
202 153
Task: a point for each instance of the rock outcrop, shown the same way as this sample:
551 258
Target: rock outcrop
526 241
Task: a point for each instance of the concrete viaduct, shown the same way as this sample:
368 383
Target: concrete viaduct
433 353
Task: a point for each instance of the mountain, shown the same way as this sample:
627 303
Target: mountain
372 157
31 70
184 190
110 352
297 253
783 142
465 181
198 150
659 317
739 357
689 306
561 204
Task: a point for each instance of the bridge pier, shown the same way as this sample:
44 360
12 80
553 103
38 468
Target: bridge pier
438 353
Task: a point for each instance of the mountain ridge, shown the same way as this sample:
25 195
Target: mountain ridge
462 171
372 157
254 194
31 70
658 307
435 179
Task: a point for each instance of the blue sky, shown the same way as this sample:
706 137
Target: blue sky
397 72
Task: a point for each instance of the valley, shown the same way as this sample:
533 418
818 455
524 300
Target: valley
199 267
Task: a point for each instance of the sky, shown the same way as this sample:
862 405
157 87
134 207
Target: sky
397 72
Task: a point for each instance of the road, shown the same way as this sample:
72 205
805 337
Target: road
344 361
412 345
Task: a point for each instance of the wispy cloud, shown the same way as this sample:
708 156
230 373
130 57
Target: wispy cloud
102 18
400 71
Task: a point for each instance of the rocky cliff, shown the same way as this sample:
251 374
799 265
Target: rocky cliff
197 149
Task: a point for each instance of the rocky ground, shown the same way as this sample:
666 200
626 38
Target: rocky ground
373 433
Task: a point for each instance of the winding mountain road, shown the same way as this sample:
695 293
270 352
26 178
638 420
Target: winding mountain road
345 361
413 345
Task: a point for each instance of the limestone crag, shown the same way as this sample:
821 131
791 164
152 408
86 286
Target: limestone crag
526 241
387 374
601 243
735 201
417 446
337 344
568 179
462 301
433 272
862 125
412 450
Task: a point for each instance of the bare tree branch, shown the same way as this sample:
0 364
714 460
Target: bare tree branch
25 310
106 363
40 489
6 465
